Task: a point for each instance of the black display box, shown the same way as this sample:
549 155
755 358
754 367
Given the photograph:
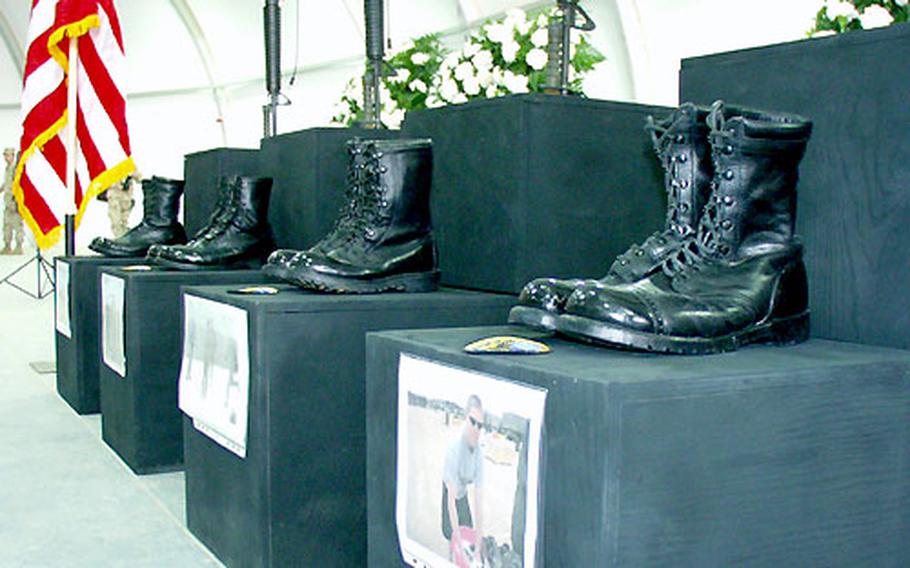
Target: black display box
79 357
202 172
299 496
537 185
140 420
853 203
768 456
309 172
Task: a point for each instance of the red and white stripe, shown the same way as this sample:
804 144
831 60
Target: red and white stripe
103 154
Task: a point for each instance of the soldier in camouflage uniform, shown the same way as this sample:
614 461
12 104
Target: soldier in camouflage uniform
120 202
13 229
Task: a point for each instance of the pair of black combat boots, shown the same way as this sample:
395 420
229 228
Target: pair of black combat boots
382 240
727 269
237 235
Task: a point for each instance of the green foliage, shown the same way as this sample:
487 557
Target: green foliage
840 16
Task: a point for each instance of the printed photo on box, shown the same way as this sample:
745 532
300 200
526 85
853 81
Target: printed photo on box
62 299
214 375
112 349
469 452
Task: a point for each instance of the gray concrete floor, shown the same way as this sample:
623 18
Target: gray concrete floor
65 498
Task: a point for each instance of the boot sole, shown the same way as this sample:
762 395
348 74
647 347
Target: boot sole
781 331
535 318
244 264
410 282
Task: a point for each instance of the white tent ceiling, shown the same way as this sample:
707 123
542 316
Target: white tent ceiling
196 66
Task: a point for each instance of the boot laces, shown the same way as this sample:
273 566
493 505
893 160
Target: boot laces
353 183
368 208
707 242
665 134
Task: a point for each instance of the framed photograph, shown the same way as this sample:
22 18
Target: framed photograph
62 298
214 383
469 457
112 346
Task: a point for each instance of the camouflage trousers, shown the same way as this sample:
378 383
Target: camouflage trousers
13 227
119 205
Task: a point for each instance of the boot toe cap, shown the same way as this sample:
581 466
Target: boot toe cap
548 294
612 306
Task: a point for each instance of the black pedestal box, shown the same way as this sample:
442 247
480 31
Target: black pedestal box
299 496
202 171
140 420
853 200
79 356
537 185
791 456
309 172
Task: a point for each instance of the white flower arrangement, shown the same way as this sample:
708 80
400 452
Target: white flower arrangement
507 56
504 57
839 16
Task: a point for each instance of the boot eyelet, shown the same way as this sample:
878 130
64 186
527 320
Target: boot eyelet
728 149
684 183
683 207
727 200
728 175
727 224
623 262
383 169
384 203
679 139
682 158
639 252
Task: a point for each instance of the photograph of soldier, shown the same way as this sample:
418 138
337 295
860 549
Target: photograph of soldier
120 201
213 387
464 478
112 341
13 227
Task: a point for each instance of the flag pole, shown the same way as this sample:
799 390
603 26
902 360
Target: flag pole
72 80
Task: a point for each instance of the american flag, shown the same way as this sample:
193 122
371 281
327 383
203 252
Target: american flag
103 151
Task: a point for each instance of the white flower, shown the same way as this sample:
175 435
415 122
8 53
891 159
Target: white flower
452 59
537 59
510 51
499 33
490 91
459 98
483 60
875 16
498 76
419 58
448 90
543 20
484 77
900 2
470 49
402 75
418 85
471 86
840 8
822 33
515 83
435 102
464 70
394 118
540 38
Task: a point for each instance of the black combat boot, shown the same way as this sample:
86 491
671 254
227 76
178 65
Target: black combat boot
383 240
238 234
741 279
681 144
160 204
281 263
